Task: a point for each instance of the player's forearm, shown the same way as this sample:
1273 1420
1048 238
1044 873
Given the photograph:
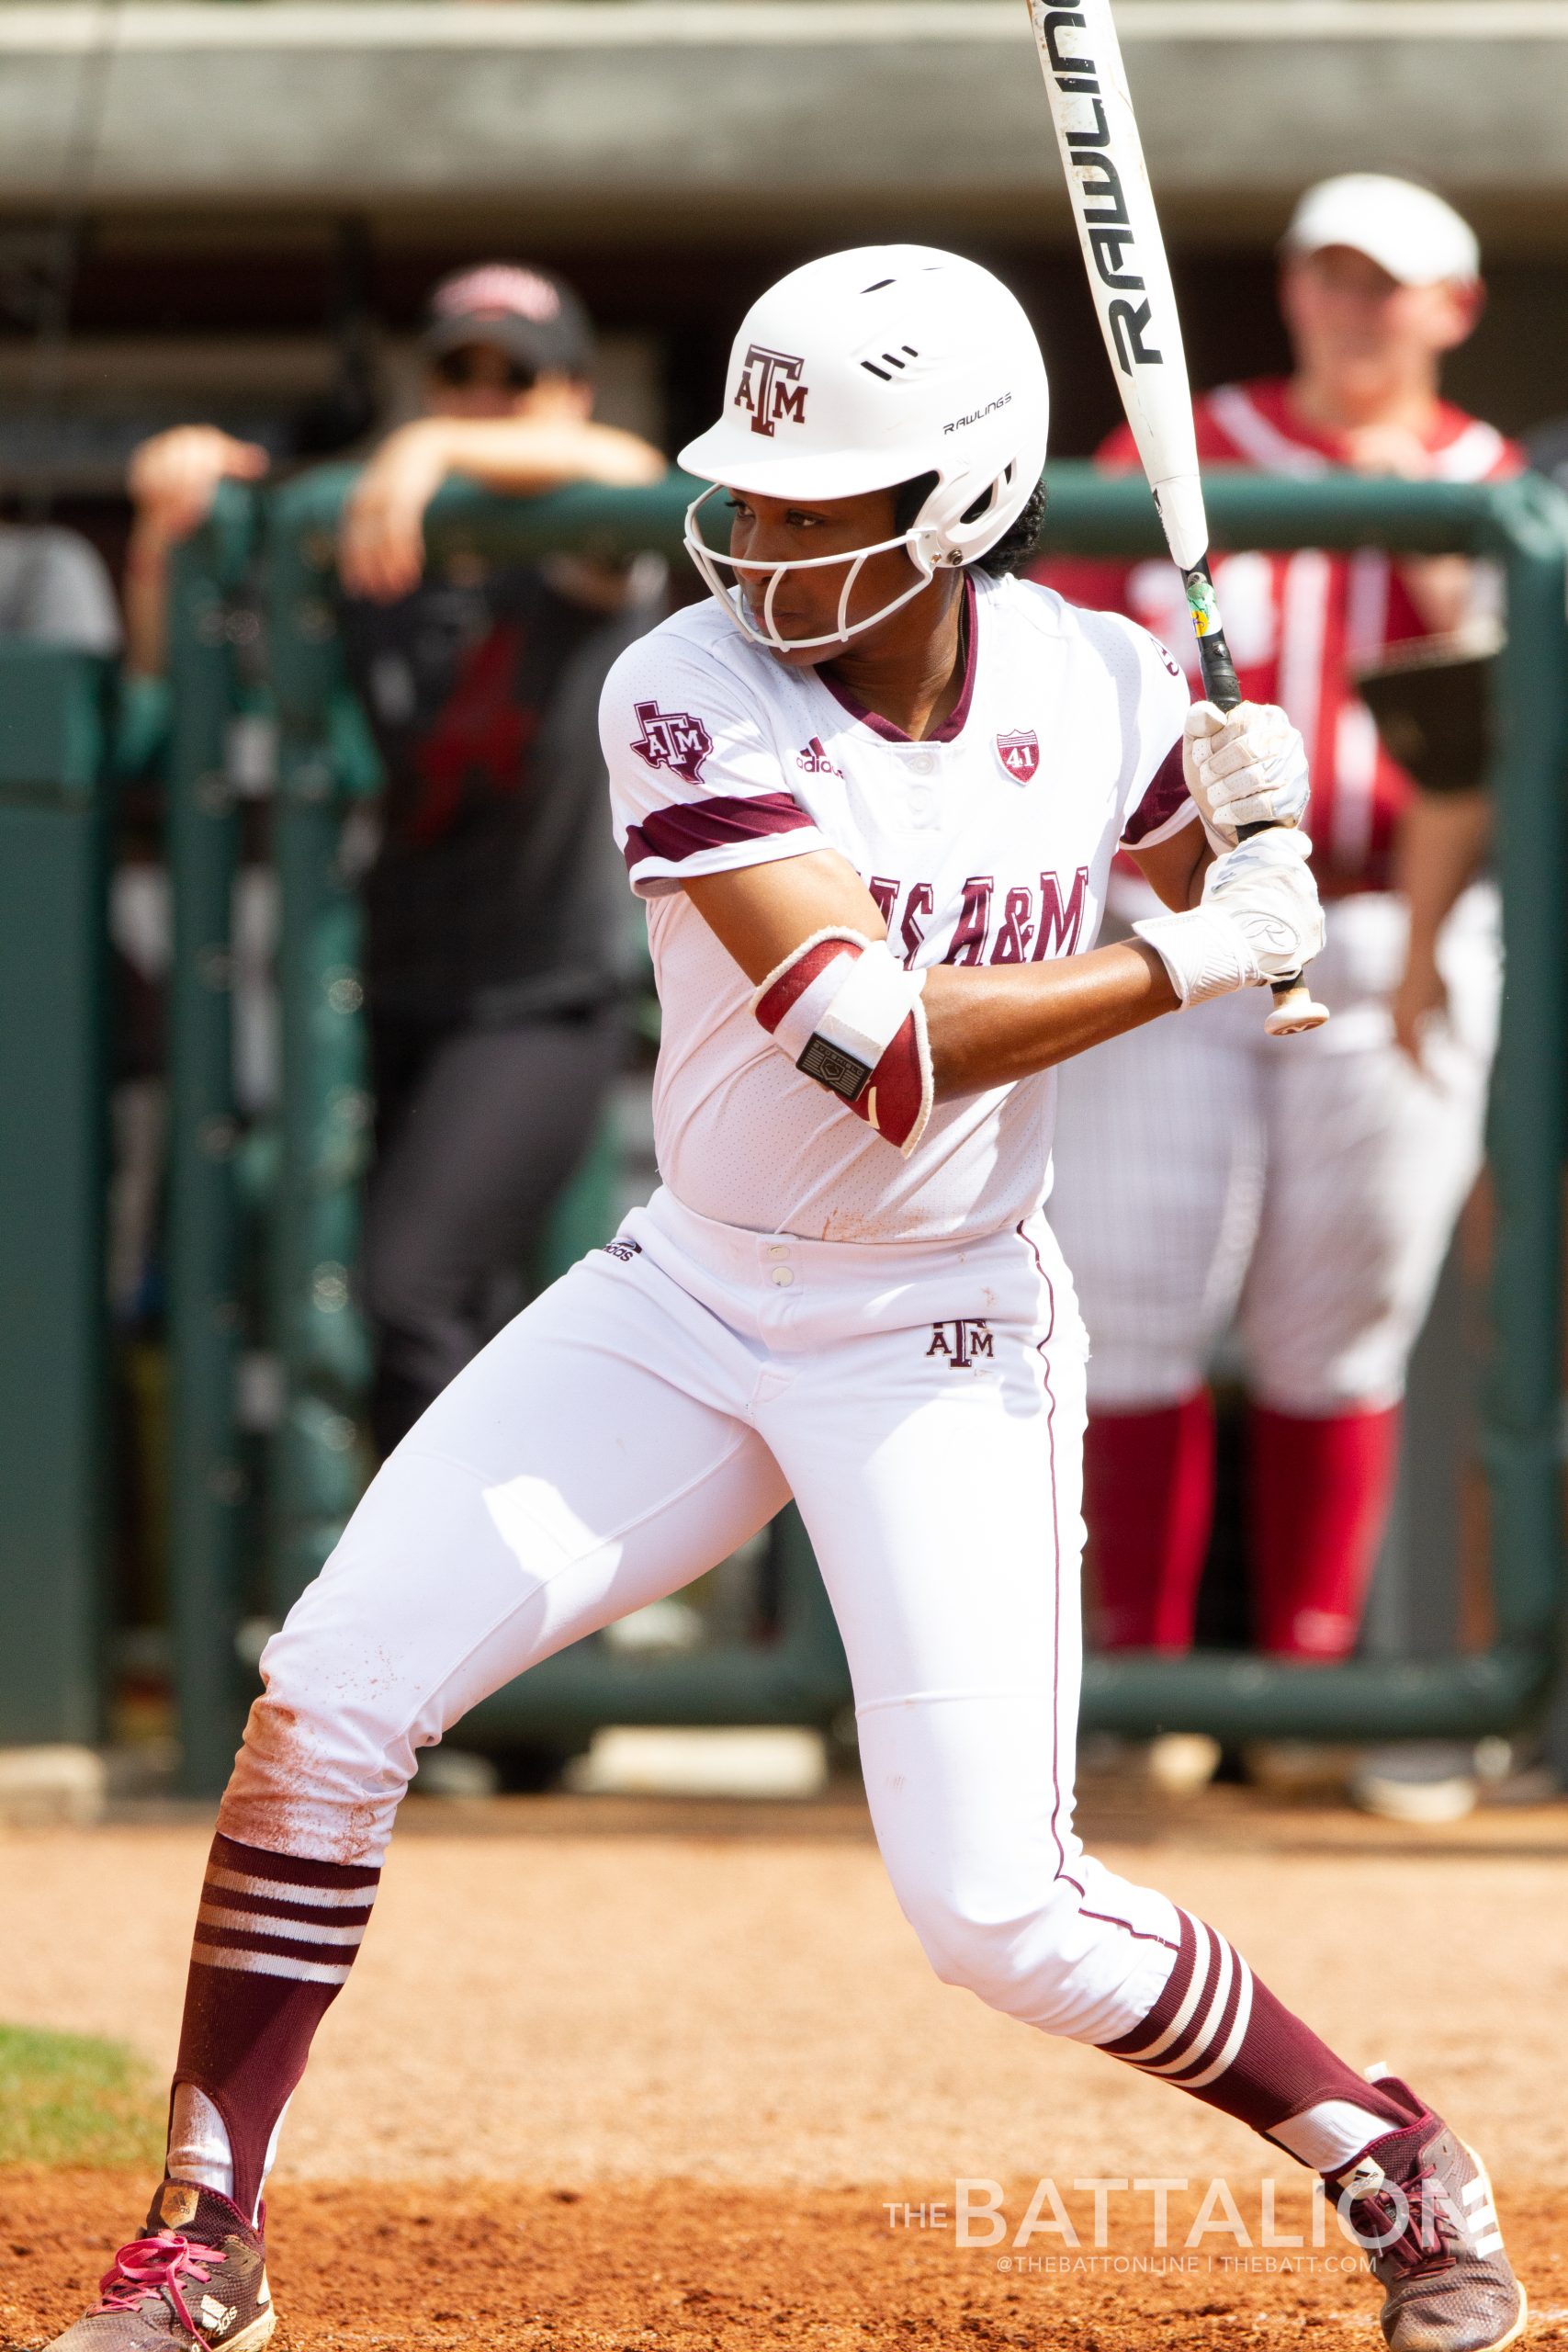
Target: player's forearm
1441 844
522 455
146 599
1174 869
988 1028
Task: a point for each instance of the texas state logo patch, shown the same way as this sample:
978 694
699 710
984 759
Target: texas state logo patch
1019 755
674 740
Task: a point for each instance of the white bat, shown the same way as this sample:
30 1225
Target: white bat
1129 279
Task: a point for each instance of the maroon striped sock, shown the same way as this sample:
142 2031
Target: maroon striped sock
276 1937
1218 2032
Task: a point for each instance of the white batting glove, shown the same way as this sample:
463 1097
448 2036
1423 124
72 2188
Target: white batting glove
1247 766
1259 921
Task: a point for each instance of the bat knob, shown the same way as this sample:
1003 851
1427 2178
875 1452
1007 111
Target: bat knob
1295 1009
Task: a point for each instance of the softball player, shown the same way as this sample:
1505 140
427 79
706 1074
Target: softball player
1311 1195
871 794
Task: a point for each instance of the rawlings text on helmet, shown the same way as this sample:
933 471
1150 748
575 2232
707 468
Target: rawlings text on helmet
975 414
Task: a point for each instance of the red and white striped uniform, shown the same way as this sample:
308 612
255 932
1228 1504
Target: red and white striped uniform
1304 1193
1299 624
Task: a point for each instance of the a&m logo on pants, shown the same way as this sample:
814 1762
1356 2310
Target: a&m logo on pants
962 1341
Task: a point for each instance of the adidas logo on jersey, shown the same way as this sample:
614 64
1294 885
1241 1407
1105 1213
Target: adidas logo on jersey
814 760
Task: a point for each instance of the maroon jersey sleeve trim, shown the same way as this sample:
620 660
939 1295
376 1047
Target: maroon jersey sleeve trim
686 828
1165 796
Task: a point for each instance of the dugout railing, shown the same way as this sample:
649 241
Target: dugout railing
311 1209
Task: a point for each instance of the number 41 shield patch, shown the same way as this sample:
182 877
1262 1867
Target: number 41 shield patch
1019 755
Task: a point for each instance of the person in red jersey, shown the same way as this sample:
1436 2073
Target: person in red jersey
1303 1191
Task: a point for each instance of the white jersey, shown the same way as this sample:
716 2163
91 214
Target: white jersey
989 843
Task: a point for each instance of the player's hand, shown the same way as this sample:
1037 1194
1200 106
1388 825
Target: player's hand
1266 893
1388 448
1420 1002
1244 767
381 542
173 478
1257 920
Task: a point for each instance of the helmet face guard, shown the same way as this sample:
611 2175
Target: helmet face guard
730 595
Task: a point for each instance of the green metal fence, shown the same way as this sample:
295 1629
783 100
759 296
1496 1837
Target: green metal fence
54 729
800 1676
207 1480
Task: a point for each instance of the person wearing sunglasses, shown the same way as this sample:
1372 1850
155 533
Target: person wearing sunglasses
495 950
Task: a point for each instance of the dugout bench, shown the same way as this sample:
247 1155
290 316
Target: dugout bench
303 1181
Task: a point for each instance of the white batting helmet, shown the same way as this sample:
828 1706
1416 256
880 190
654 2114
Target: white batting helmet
865 369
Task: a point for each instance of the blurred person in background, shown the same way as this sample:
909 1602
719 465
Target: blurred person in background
494 952
1307 1189
55 589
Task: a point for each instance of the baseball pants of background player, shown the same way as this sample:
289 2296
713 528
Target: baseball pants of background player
478 1128
632 1428
1307 1190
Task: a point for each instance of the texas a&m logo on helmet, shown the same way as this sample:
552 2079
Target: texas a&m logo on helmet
672 739
1019 755
770 388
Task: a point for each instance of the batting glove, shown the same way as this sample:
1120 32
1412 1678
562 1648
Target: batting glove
1247 766
1259 921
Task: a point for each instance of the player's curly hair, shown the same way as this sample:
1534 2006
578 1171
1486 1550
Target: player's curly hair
1014 552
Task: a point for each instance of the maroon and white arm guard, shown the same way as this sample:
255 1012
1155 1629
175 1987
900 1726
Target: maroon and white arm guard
849 1015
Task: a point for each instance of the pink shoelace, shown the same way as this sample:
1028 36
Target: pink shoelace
150 2265
1430 2229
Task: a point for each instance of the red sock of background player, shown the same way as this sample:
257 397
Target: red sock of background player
1148 1499
1218 2032
276 1937
1319 1490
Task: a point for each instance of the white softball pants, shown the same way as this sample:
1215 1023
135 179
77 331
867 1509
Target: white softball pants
1304 1189
644 1418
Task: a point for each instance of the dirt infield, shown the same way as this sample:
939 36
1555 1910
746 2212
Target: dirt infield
620 2270
624 2076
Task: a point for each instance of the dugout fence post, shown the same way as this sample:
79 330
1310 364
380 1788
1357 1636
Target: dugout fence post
1529 1127
317 1465
206 1478
53 1422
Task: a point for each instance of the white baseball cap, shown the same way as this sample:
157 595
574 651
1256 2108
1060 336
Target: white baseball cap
1406 229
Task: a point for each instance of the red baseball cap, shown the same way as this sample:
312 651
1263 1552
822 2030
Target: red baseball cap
535 318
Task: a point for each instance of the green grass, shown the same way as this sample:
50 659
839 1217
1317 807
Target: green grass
66 2098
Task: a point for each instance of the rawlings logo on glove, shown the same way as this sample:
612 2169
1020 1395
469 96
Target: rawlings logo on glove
1258 920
